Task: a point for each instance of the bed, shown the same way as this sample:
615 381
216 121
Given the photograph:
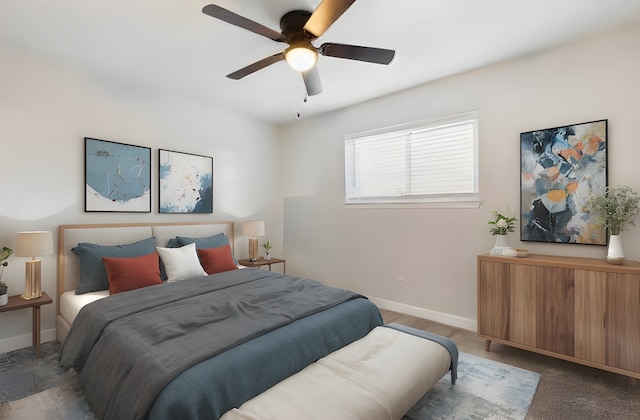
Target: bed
68 303
211 344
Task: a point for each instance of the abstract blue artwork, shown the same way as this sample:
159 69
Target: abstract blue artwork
560 168
186 182
117 177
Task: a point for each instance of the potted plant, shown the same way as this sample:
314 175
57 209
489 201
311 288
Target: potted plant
267 248
4 298
4 254
502 223
615 208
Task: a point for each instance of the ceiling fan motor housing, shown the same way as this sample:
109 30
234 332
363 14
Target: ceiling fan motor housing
292 24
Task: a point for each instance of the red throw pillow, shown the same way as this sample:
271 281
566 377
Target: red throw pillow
216 260
132 273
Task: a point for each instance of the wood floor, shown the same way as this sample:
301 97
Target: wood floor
566 390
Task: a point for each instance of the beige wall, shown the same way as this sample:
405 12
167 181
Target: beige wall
434 250
45 113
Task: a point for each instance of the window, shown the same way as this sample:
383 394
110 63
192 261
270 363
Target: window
427 162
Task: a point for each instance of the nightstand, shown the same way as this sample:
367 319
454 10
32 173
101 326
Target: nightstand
261 262
15 303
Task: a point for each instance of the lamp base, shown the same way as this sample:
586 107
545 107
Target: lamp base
32 288
253 249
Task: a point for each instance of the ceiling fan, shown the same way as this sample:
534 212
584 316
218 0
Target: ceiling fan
299 28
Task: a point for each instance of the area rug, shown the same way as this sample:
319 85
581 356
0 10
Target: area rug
485 389
39 389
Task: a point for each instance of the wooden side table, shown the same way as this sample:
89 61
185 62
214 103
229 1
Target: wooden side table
261 261
15 302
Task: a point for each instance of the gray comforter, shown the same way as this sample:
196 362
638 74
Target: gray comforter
128 347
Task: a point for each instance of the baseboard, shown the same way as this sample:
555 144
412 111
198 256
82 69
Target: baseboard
443 318
22 341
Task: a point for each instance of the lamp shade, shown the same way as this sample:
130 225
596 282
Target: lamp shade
253 228
34 244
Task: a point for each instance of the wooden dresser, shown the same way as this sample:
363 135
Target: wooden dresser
579 309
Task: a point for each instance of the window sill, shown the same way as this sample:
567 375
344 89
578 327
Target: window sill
466 202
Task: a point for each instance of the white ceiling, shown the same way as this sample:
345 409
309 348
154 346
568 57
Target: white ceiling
170 45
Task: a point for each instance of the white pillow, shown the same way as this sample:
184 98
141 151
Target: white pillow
181 263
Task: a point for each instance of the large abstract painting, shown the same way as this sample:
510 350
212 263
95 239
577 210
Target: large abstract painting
186 183
117 176
560 167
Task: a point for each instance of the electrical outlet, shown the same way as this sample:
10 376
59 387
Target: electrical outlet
400 282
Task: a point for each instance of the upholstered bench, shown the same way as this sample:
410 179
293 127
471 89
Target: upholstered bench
382 375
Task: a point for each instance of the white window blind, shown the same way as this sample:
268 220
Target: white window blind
428 161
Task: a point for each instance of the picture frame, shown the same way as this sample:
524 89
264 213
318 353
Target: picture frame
186 182
559 168
117 177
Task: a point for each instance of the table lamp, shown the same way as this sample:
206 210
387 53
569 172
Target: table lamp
33 244
253 228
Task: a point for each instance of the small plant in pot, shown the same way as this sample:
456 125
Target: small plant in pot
4 297
502 222
266 245
615 208
4 254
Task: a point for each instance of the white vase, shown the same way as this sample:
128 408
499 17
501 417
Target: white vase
4 299
502 243
615 254
267 256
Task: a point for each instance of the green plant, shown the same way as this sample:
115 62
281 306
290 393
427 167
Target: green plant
4 254
503 222
615 208
266 245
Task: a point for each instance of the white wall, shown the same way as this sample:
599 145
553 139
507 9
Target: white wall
45 113
435 250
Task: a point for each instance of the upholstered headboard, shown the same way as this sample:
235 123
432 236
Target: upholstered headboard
116 234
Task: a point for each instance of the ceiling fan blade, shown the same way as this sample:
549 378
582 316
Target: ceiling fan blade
355 52
258 65
228 16
327 12
312 81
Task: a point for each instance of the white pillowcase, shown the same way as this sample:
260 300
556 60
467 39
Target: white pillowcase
181 263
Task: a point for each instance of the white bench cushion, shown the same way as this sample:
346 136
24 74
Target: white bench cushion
380 376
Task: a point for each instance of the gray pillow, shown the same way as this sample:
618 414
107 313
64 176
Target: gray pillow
173 243
93 275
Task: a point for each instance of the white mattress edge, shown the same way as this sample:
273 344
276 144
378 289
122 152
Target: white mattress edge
70 303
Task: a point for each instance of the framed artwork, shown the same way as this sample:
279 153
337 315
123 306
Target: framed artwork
560 167
186 182
117 177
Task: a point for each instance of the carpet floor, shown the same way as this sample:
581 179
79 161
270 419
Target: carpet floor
40 389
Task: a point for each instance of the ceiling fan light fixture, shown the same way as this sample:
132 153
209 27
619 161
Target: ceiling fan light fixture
301 57
299 28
